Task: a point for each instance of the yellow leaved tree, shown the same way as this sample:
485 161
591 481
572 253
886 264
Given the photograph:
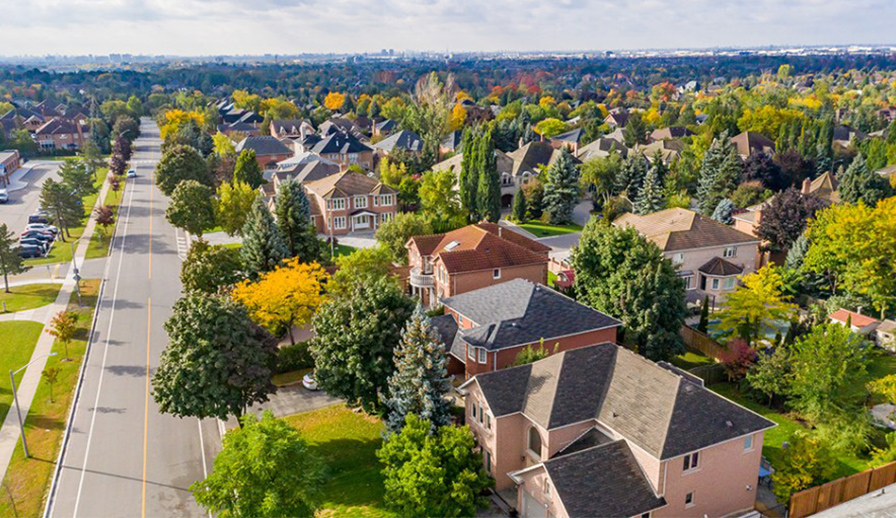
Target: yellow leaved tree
334 101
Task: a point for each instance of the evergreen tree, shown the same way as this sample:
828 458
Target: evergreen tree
704 315
631 178
561 189
859 183
247 169
263 247
719 174
519 206
488 191
420 381
469 176
722 212
651 198
294 221
635 131
11 263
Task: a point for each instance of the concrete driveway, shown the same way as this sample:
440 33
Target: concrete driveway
293 399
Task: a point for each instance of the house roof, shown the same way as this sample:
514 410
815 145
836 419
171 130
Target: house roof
682 229
339 142
56 126
887 326
719 267
749 142
533 154
856 319
244 127
654 408
601 148
346 183
289 126
670 133
520 312
825 187
479 247
605 480
452 140
504 163
386 125
404 139
570 136
263 145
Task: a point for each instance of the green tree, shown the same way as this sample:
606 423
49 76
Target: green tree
624 275
631 177
74 174
488 190
420 382
92 156
263 247
356 333
218 361
265 468
433 473
232 206
181 163
758 300
719 174
440 202
635 130
600 174
209 268
651 198
860 183
192 207
704 315
805 463
11 263
429 112
724 211
561 189
468 179
771 374
395 233
63 205
293 212
247 169
530 354
518 210
363 265
550 127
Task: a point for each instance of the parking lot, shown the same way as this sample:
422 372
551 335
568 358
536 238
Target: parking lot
24 201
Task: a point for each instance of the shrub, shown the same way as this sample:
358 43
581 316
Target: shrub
294 357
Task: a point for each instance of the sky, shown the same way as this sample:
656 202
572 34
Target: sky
204 27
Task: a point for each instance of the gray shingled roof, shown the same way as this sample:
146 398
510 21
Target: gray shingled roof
263 145
605 480
339 142
656 409
520 312
404 139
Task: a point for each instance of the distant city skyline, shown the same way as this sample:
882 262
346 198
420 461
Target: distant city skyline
215 27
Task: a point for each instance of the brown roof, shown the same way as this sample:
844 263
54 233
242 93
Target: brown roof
481 246
748 142
346 183
682 229
57 126
721 268
825 187
532 155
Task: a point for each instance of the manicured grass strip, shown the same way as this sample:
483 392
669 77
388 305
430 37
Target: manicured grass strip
689 360
347 442
29 479
545 230
29 296
19 339
99 242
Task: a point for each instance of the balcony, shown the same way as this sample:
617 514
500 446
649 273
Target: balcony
421 280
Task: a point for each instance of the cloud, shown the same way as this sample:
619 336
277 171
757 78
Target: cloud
190 27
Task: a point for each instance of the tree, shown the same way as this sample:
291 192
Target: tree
704 315
737 359
622 274
265 468
723 212
63 327
334 101
488 191
209 268
635 131
440 202
104 216
293 213
518 211
223 145
64 205
433 473
784 218
75 175
217 362
263 247
860 183
761 167
550 127
192 207
651 198
285 297
719 174
884 387
429 113
531 354
748 194
600 174
232 206
420 383
631 177
356 333
806 462
561 189
395 233
92 157
247 169
51 376
178 164
363 265
468 180
771 374
11 263
759 299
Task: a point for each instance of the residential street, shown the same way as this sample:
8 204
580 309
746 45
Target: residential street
123 458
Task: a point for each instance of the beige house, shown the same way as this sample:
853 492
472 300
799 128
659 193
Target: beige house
601 431
710 256
350 202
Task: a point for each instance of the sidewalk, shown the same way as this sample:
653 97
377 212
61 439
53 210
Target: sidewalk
9 432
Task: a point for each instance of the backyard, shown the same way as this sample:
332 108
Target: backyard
547 230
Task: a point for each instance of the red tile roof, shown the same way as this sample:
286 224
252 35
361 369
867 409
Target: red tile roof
856 319
481 246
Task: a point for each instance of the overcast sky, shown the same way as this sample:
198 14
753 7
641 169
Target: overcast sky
194 27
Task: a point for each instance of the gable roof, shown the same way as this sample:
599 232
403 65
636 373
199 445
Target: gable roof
404 139
533 154
601 148
386 125
263 145
520 312
652 407
339 142
721 268
570 136
856 319
479 247
290 126
452 140
56 126
825 187
346 183
748 142
670 133
682 229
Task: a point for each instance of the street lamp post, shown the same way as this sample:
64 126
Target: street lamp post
15 397
75 271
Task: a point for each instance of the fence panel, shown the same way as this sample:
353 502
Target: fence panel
816 499
882 476
856 485
701 342
804 503
829 495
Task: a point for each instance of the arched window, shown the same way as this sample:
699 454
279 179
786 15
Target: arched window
534 441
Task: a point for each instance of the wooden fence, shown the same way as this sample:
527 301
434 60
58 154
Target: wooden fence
817 499
702 342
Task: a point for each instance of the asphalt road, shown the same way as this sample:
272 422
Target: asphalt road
24 202
124 458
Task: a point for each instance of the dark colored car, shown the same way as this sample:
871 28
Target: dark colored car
32 241
38 218
30 252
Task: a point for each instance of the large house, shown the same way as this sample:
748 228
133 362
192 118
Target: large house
349 202
344 148
472 257
486 329
602 431
749 142
710 256
292 128
59 133
268 150
403 139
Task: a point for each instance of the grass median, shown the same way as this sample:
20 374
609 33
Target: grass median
29 296
28 480
99 242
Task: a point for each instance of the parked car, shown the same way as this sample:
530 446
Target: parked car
309 382
132 173
38 218
42 227
43 236
31 241
4 196
30 252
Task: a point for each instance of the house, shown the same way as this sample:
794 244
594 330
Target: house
336 125
672 132
485 329
293 128
886 334
344 149
825 187
59 133
748 221
858 323
602 431
403 139
451 143
600 148
385 127
616 118
10 160
239 128
669 150
749 142
571 140
505 164
349 202
844 135
268 150
472 257
528 161
710 256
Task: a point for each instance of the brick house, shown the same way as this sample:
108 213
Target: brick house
485 329
472 257
602 431
571 140
10 160
710 256
749 142
292 128
59 133
350 202
268 150
344 149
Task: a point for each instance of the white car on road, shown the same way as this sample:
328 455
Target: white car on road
132 173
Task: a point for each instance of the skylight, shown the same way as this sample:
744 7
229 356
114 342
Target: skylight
452 245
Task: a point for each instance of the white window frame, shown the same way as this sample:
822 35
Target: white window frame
748 443
483 355
471 352
691 462
688 280
376 201
333 205
529 449
339 222
689 500
677 258
496 273
360 202
729 283
716 283
385 216
730 251
386 200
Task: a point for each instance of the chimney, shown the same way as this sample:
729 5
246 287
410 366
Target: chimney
499 230
807 185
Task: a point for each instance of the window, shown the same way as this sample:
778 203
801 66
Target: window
715 284
730 251
748 443
496 273
474 411
360 202
376 201
691 461
488 462
526 178
534 443
688 281
386 200
488 421
339 222
386 216
336 204
689 499
481 415
471 352
728 284
483 357
353 158
547 489
678 258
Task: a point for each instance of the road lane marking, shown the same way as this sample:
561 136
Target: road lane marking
146 401
99 387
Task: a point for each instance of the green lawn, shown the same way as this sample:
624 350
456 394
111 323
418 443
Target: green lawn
689 360
219 228
545 230
233 245
29 296
290 378
99 242
347 442
344 250
19 339
29 479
